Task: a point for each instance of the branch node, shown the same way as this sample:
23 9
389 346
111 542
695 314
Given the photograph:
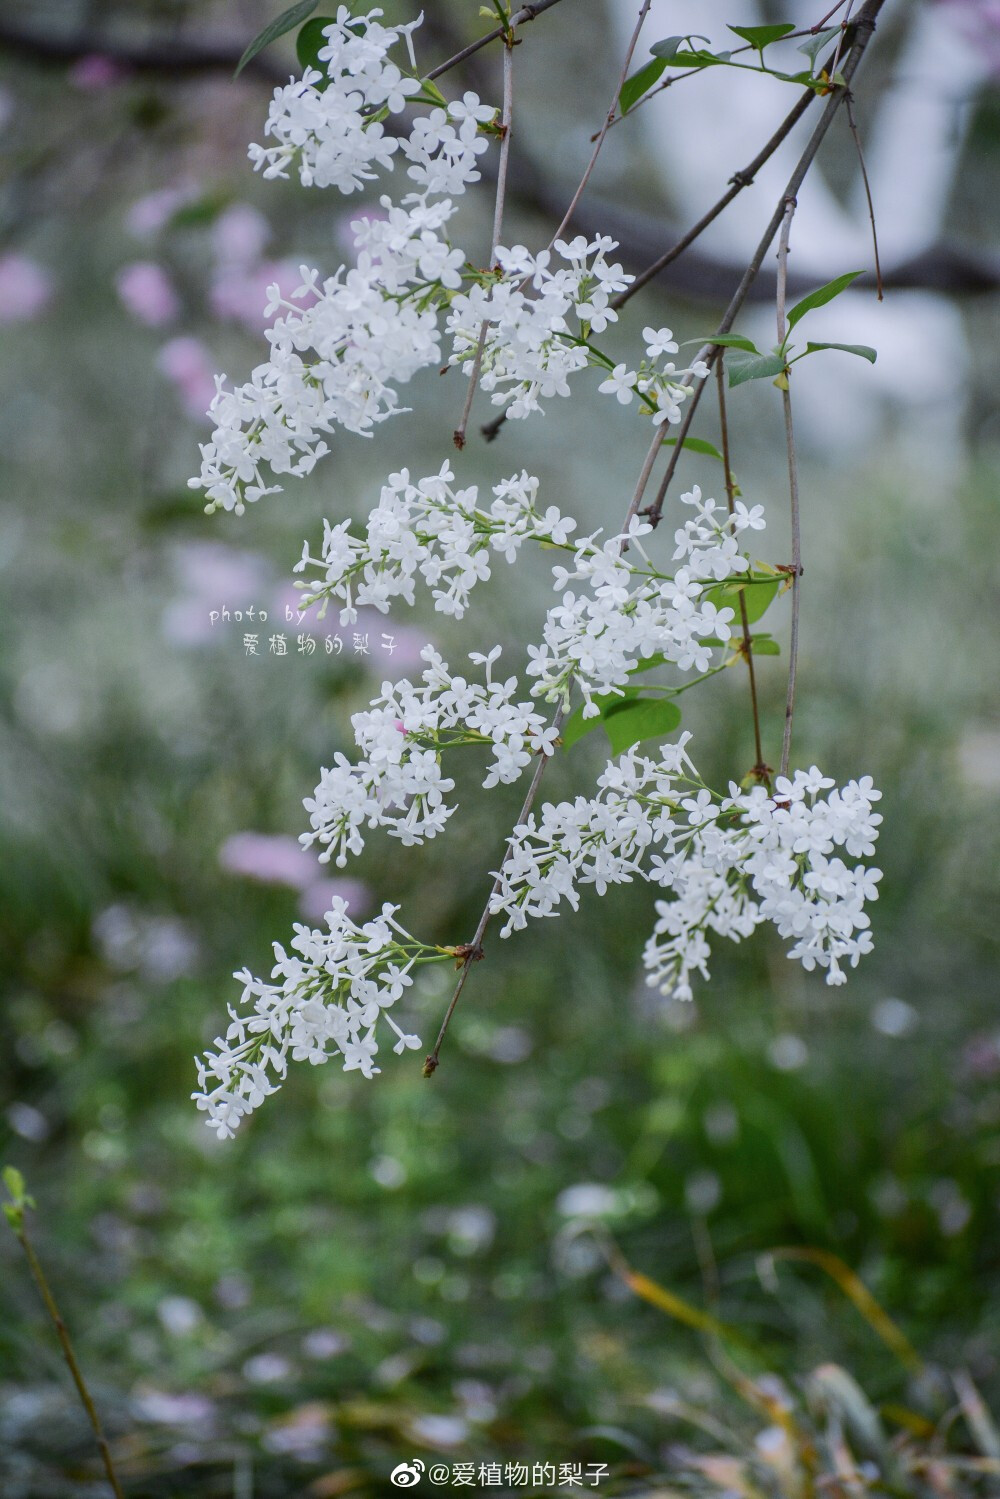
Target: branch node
468 952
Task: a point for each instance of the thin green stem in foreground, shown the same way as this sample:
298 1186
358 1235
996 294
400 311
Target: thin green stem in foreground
16 1213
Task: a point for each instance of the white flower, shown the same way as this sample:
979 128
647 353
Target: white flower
659 341
333 989
620 383
470 107
731 863
398 782
430 529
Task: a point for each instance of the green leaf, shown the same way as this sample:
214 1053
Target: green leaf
674 56
627 723
640 83
278 27
815 44
728 341
764 645
648 663
576 726
863 351
694 445
743 367
671 45
762 36
821 296
759 594
14 1182
309 41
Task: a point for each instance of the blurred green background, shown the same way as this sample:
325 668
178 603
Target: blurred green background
375 1271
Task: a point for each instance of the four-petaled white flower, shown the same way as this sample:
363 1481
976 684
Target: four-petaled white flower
620 383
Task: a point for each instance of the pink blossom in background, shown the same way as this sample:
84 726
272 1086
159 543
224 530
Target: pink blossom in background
317 898
25 288
239 293
271 859
147 292
95 71
239 234
212 576
188 366
287 599
274 859
384 664
148 215
980 21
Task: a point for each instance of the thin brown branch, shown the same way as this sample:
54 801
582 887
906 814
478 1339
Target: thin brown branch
864 26
526 13
602 134
760 770
868 192
840 40
474 949
738 182
793 488
829 15
506 126
62 1332
692 72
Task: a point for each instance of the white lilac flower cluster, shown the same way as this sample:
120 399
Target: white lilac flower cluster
531 346
398 782
331 991
731 862
432 529
657 381
626 612
323 123
346 342
339 350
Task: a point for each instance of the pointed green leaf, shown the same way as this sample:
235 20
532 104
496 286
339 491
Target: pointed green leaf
648 663
764 645
671 45
576 726
728 341
278 27
758 593
694 445
821 296
743 367
693 57
761 36
309 41
815 44
863 351
627 723
640 83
